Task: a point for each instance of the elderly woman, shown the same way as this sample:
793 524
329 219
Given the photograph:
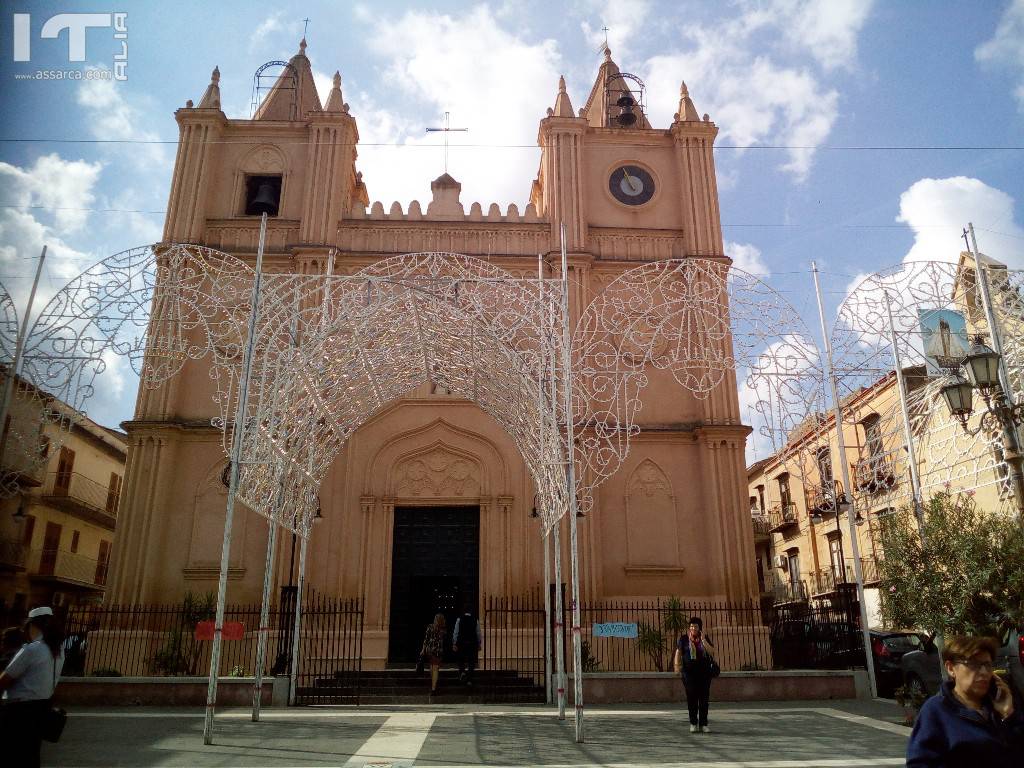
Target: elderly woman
28 683
972 720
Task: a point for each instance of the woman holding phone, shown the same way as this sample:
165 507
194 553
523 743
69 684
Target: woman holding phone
972 721
693 659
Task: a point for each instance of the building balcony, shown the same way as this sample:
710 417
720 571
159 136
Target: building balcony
785 591
829 580
874 474
12 555
782 517
868 569
82 497
824 498
68 568
761 525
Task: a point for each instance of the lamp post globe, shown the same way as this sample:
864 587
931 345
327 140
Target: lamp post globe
958 394
982 367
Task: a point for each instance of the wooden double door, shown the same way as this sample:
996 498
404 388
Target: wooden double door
435 569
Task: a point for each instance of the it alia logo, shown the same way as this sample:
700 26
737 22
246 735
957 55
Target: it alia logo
76 25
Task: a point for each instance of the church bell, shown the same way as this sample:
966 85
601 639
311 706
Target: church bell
626 114
265 200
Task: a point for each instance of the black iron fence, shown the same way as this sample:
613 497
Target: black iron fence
175 640
167 640
514 635
330 651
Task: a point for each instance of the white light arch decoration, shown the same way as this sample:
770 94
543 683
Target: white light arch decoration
668 316
157 305
947 458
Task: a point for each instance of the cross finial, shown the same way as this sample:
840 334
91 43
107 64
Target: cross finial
605 30
305 26
446 130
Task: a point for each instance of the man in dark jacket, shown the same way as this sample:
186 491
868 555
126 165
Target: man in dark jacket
972 721
467 641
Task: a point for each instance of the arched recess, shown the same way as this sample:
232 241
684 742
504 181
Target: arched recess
652 535
207 528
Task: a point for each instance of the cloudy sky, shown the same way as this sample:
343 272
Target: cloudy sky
856 134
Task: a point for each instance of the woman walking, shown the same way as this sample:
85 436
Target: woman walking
694 660
28 683
433 649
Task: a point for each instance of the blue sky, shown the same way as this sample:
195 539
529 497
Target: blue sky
857 134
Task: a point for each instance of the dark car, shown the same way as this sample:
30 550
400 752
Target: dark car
805 644
922 668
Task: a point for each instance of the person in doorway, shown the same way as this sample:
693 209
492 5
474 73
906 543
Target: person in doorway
467 642
972 720
693 660
28 683
433 648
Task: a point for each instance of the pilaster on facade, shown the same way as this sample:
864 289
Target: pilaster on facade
199 132
562 140
694 149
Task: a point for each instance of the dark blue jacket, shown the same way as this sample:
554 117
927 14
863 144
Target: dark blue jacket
949 735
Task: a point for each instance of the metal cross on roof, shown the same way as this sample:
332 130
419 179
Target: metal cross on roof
305 26
446 130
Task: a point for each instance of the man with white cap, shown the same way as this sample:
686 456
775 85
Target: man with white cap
28 683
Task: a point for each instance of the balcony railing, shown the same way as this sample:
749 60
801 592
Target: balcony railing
874 473
761 524
69 567
868 569
827 580
81 496
12 554
785 591
823 498
782 517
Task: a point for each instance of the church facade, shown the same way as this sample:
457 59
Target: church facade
430 500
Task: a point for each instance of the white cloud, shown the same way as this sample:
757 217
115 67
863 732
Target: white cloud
826 29
110 116
624 19
739 80
1006 48
63 186
491 81
937 209
747 257
265 28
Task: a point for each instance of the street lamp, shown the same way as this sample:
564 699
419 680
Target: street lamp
982 368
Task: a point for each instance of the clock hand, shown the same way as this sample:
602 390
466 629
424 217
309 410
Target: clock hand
636 187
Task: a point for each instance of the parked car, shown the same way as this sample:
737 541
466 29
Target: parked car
887 650
922 668
805 644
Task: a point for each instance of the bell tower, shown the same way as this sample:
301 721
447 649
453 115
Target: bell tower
608 170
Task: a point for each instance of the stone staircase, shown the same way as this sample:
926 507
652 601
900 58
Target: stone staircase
405 686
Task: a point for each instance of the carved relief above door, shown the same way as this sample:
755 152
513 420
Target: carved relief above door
437 473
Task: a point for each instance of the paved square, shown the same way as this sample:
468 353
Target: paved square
756 735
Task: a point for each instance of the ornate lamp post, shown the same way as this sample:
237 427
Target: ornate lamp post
982 368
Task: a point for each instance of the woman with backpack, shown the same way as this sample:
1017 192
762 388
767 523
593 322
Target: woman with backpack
28 683
695 661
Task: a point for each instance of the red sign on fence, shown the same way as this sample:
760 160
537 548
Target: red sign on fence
233 630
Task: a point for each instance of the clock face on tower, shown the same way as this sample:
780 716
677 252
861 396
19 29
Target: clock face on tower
631 184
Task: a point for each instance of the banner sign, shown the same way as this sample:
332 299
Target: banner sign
233 630
615 629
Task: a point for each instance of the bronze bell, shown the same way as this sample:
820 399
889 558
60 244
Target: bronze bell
626 114
265 200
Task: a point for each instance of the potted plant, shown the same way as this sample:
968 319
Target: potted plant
911 698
